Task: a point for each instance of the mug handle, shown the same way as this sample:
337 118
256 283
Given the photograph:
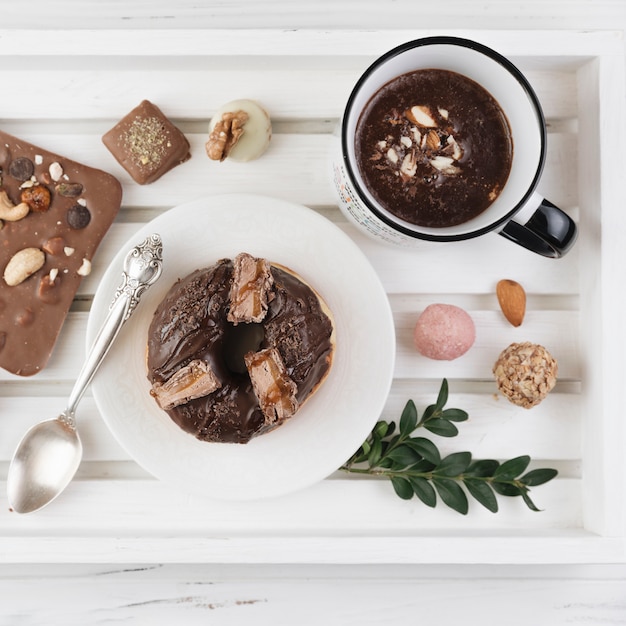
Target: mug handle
549 231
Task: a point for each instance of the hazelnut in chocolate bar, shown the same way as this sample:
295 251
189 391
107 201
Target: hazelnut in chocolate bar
146 143
54 213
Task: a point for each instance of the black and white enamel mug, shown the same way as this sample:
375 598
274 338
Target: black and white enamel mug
519 213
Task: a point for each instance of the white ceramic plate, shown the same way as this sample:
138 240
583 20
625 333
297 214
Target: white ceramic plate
329 427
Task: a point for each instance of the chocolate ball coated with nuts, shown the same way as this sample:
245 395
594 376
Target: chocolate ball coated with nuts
525 373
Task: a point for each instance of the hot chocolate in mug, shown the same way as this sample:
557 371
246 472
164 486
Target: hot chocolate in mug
417 135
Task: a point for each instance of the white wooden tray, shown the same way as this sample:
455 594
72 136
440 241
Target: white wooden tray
63 90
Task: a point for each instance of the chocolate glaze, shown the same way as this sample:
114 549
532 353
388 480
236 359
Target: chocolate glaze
190 323
32 313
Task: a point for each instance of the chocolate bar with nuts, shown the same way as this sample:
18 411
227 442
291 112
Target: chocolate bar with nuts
146 143
54 213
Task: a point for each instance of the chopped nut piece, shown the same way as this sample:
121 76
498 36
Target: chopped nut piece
67 251
444 165
406 141
409 165
195 380
54 246
48 291
432 140
392 155
422 116
443 113
457 153
56 171
226 134
85 268
250 290
274 389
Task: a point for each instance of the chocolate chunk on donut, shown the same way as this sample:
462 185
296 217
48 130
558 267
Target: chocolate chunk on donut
54 213
250 290
285 356
192 381
272 385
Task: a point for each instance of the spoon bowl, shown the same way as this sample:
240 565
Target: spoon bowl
44 464
49 454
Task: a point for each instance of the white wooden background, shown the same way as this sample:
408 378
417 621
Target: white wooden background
119 546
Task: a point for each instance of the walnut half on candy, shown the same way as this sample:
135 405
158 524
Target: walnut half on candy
225 135
239 130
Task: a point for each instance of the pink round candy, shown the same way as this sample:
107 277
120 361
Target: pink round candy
444 332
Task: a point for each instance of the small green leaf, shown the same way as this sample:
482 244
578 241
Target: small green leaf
482 492
513 468
381 429
483 468
529 503
402 487
426 448
442 398
408 419
538 477
455 415
428 413
454 464
424 491
359 457
423 467
452 494
404 456
388 444
441 427
507 489
375 453
385 463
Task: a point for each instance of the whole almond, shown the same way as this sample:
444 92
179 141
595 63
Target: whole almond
512 300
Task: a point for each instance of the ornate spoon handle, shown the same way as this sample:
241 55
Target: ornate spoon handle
142 267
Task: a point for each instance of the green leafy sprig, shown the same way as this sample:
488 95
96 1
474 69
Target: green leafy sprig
415 466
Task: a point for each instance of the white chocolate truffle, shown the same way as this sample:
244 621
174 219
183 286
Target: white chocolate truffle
257 129
444 332
525 373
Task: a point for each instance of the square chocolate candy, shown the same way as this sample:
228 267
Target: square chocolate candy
146 144
54 213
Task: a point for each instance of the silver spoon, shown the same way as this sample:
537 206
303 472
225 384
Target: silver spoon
49 454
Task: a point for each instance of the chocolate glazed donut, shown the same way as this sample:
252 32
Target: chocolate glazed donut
226 373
